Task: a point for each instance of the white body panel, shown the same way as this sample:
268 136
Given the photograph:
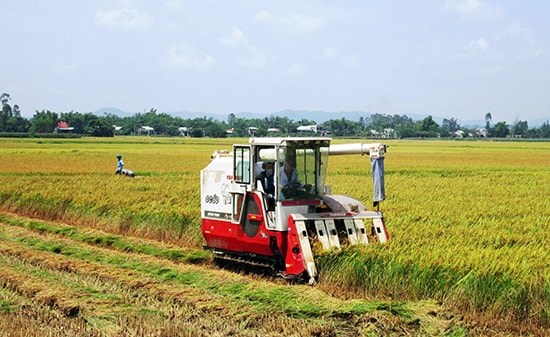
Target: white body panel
215 188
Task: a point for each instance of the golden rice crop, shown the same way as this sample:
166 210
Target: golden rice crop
469 224
469 220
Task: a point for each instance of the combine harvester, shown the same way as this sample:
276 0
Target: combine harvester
255 212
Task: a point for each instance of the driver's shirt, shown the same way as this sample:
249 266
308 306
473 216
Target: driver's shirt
287 179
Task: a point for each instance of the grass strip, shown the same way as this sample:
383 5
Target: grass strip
118 242
295 301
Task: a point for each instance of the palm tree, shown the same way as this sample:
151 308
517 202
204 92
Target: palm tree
5 112
488 119
4 98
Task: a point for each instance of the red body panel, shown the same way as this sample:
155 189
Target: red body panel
228 236
294 259
385 229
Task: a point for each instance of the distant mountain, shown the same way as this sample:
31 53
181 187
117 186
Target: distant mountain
193 115
114 111
538 122
317 116
296 115
481 122
321 116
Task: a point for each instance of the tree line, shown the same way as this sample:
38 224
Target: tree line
163 124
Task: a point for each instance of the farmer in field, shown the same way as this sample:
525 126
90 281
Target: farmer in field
120 164
121 170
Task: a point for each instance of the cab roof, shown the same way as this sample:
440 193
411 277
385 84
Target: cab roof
289 140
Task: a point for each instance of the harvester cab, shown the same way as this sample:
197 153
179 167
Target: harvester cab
265 203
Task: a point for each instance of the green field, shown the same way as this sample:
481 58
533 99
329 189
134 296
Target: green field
469 252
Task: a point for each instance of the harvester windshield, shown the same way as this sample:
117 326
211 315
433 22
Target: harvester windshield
302 171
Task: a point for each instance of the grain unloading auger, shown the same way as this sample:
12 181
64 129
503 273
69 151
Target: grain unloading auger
265 203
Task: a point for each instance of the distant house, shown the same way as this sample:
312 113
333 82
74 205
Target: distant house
479 133
316 128
458 134
252 130
63 127
185 131
307 128
388 133
146 130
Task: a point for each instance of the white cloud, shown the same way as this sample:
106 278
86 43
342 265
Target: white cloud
525 38
517 32
236 39
124 18
479 45
175 4
66 67
335 55
297 69
473 9
257 60
248 54
351 61
330 53
464 6
187 58
294 24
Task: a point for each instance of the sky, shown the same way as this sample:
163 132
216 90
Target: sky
450 58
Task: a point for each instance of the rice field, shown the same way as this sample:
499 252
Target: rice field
469 224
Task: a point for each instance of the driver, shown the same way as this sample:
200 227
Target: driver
288 175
